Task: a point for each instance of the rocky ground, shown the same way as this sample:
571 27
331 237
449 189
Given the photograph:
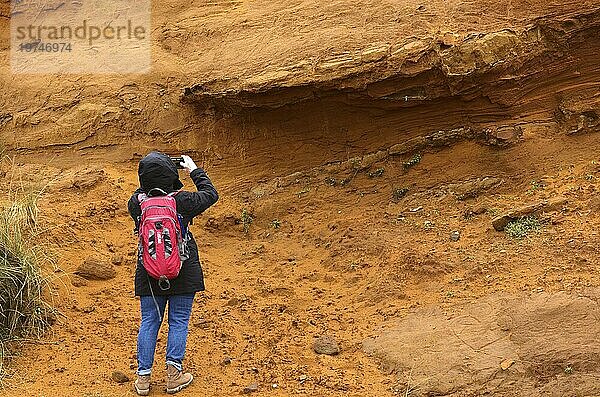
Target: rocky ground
370 159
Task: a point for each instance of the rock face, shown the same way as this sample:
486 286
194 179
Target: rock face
94 268
326 345
545 345
383 71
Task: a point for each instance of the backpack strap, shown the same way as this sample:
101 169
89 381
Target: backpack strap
157 190
143 196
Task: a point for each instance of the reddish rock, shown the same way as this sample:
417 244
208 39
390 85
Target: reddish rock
326 345
94 268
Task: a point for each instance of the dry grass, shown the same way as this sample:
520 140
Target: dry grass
24 314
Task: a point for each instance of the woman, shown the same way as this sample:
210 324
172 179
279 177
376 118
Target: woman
157 170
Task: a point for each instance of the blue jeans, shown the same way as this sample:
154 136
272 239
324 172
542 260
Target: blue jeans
180 309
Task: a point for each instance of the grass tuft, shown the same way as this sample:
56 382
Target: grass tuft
247 218
23 312
522 227
414 160
377 173
398 193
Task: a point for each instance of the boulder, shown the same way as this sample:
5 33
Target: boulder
94 268
119 377
326 345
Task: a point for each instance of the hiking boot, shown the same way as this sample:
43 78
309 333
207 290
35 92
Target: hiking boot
142 385
177 380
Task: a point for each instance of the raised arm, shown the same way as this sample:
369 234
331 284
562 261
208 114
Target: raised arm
197 202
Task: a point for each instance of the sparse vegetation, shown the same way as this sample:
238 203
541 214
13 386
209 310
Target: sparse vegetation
275 224
346 181
377 173
305 190
24 314
354 265
331 181
246 219
414 160
398 193
522 227
535 186
355 163
428 225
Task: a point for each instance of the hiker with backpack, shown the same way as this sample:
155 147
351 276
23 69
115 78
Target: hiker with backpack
168 268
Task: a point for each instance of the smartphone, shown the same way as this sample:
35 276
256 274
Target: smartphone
177 161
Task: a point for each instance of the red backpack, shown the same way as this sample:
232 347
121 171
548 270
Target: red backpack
162 243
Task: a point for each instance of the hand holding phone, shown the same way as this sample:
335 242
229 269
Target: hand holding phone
178 162
184 163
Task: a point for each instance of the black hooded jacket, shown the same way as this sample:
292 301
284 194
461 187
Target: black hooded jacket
156 170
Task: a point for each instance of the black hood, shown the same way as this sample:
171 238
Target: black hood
156 170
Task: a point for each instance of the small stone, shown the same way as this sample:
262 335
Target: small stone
88 309
94 268
449 39
326 345
202 323
251 388
117 259
226 361
506 364
119 377
78 281
233 302
503 136
455 236
479 210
